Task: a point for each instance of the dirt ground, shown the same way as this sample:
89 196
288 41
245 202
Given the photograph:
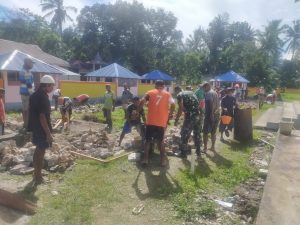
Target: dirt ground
139 190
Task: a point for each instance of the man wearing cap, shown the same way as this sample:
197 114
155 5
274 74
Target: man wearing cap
159 111
40 124
212 116
109 106
26 87
188 103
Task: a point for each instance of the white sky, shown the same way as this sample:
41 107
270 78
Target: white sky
192 13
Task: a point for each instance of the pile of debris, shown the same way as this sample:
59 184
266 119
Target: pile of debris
172 140
86 109
247 105
19 161
99 145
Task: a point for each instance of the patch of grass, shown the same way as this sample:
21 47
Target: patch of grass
84 187
218 174
187 206
289 97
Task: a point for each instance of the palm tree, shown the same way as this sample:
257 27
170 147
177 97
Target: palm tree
58 11
293 37
270 40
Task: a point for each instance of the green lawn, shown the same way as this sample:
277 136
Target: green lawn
290 97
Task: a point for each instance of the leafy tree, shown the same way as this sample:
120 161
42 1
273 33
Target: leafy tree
271 41
289 73
293 37
58 11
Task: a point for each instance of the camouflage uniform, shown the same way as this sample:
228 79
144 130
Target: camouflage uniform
192 120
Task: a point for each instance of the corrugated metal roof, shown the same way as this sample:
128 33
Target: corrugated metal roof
14 61
157 75
114 71
33 50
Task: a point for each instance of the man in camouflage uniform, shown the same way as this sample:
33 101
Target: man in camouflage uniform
188 103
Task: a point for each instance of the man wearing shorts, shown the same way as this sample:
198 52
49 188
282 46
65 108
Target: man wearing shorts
40 124
133 119
212 116
158 101
26 88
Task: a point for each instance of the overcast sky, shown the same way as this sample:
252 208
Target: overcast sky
193 13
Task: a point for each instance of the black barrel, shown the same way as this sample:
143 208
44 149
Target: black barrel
243 130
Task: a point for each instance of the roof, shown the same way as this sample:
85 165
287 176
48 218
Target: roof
14 61
231 76
157 75
114 71
33 50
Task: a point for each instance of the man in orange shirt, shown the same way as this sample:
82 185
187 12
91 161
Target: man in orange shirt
158 101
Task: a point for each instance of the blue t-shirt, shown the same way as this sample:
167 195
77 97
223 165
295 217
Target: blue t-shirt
26 79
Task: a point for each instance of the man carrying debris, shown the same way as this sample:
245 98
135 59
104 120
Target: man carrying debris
133 118
66 112
126 98
26 88
212 116
188 103
2 111
158 101
109 106
40 124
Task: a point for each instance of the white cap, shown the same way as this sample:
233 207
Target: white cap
47 79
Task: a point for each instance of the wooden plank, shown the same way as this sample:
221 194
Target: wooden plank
99 160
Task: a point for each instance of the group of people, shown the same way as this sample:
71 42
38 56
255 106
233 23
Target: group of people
201 110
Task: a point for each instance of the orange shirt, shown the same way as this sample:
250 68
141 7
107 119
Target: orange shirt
158 107
2 111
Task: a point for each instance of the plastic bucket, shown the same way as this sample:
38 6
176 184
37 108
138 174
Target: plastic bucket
226 120
286 127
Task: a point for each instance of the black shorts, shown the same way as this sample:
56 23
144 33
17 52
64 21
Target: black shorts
154 133
40 141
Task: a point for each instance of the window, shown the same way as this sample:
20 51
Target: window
13 78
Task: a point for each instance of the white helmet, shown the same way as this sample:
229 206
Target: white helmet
47 79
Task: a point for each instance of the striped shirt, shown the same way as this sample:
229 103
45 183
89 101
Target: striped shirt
26 79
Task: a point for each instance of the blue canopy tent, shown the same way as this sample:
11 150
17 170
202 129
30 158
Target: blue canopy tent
157 75
231 77
118 74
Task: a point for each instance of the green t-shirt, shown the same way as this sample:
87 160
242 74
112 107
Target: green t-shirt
200 94
108 100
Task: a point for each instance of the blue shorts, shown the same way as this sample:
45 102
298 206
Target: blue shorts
127 128
40 141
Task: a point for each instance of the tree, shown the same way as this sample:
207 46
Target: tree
271 42
217 34
127 33
58 11
293 37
